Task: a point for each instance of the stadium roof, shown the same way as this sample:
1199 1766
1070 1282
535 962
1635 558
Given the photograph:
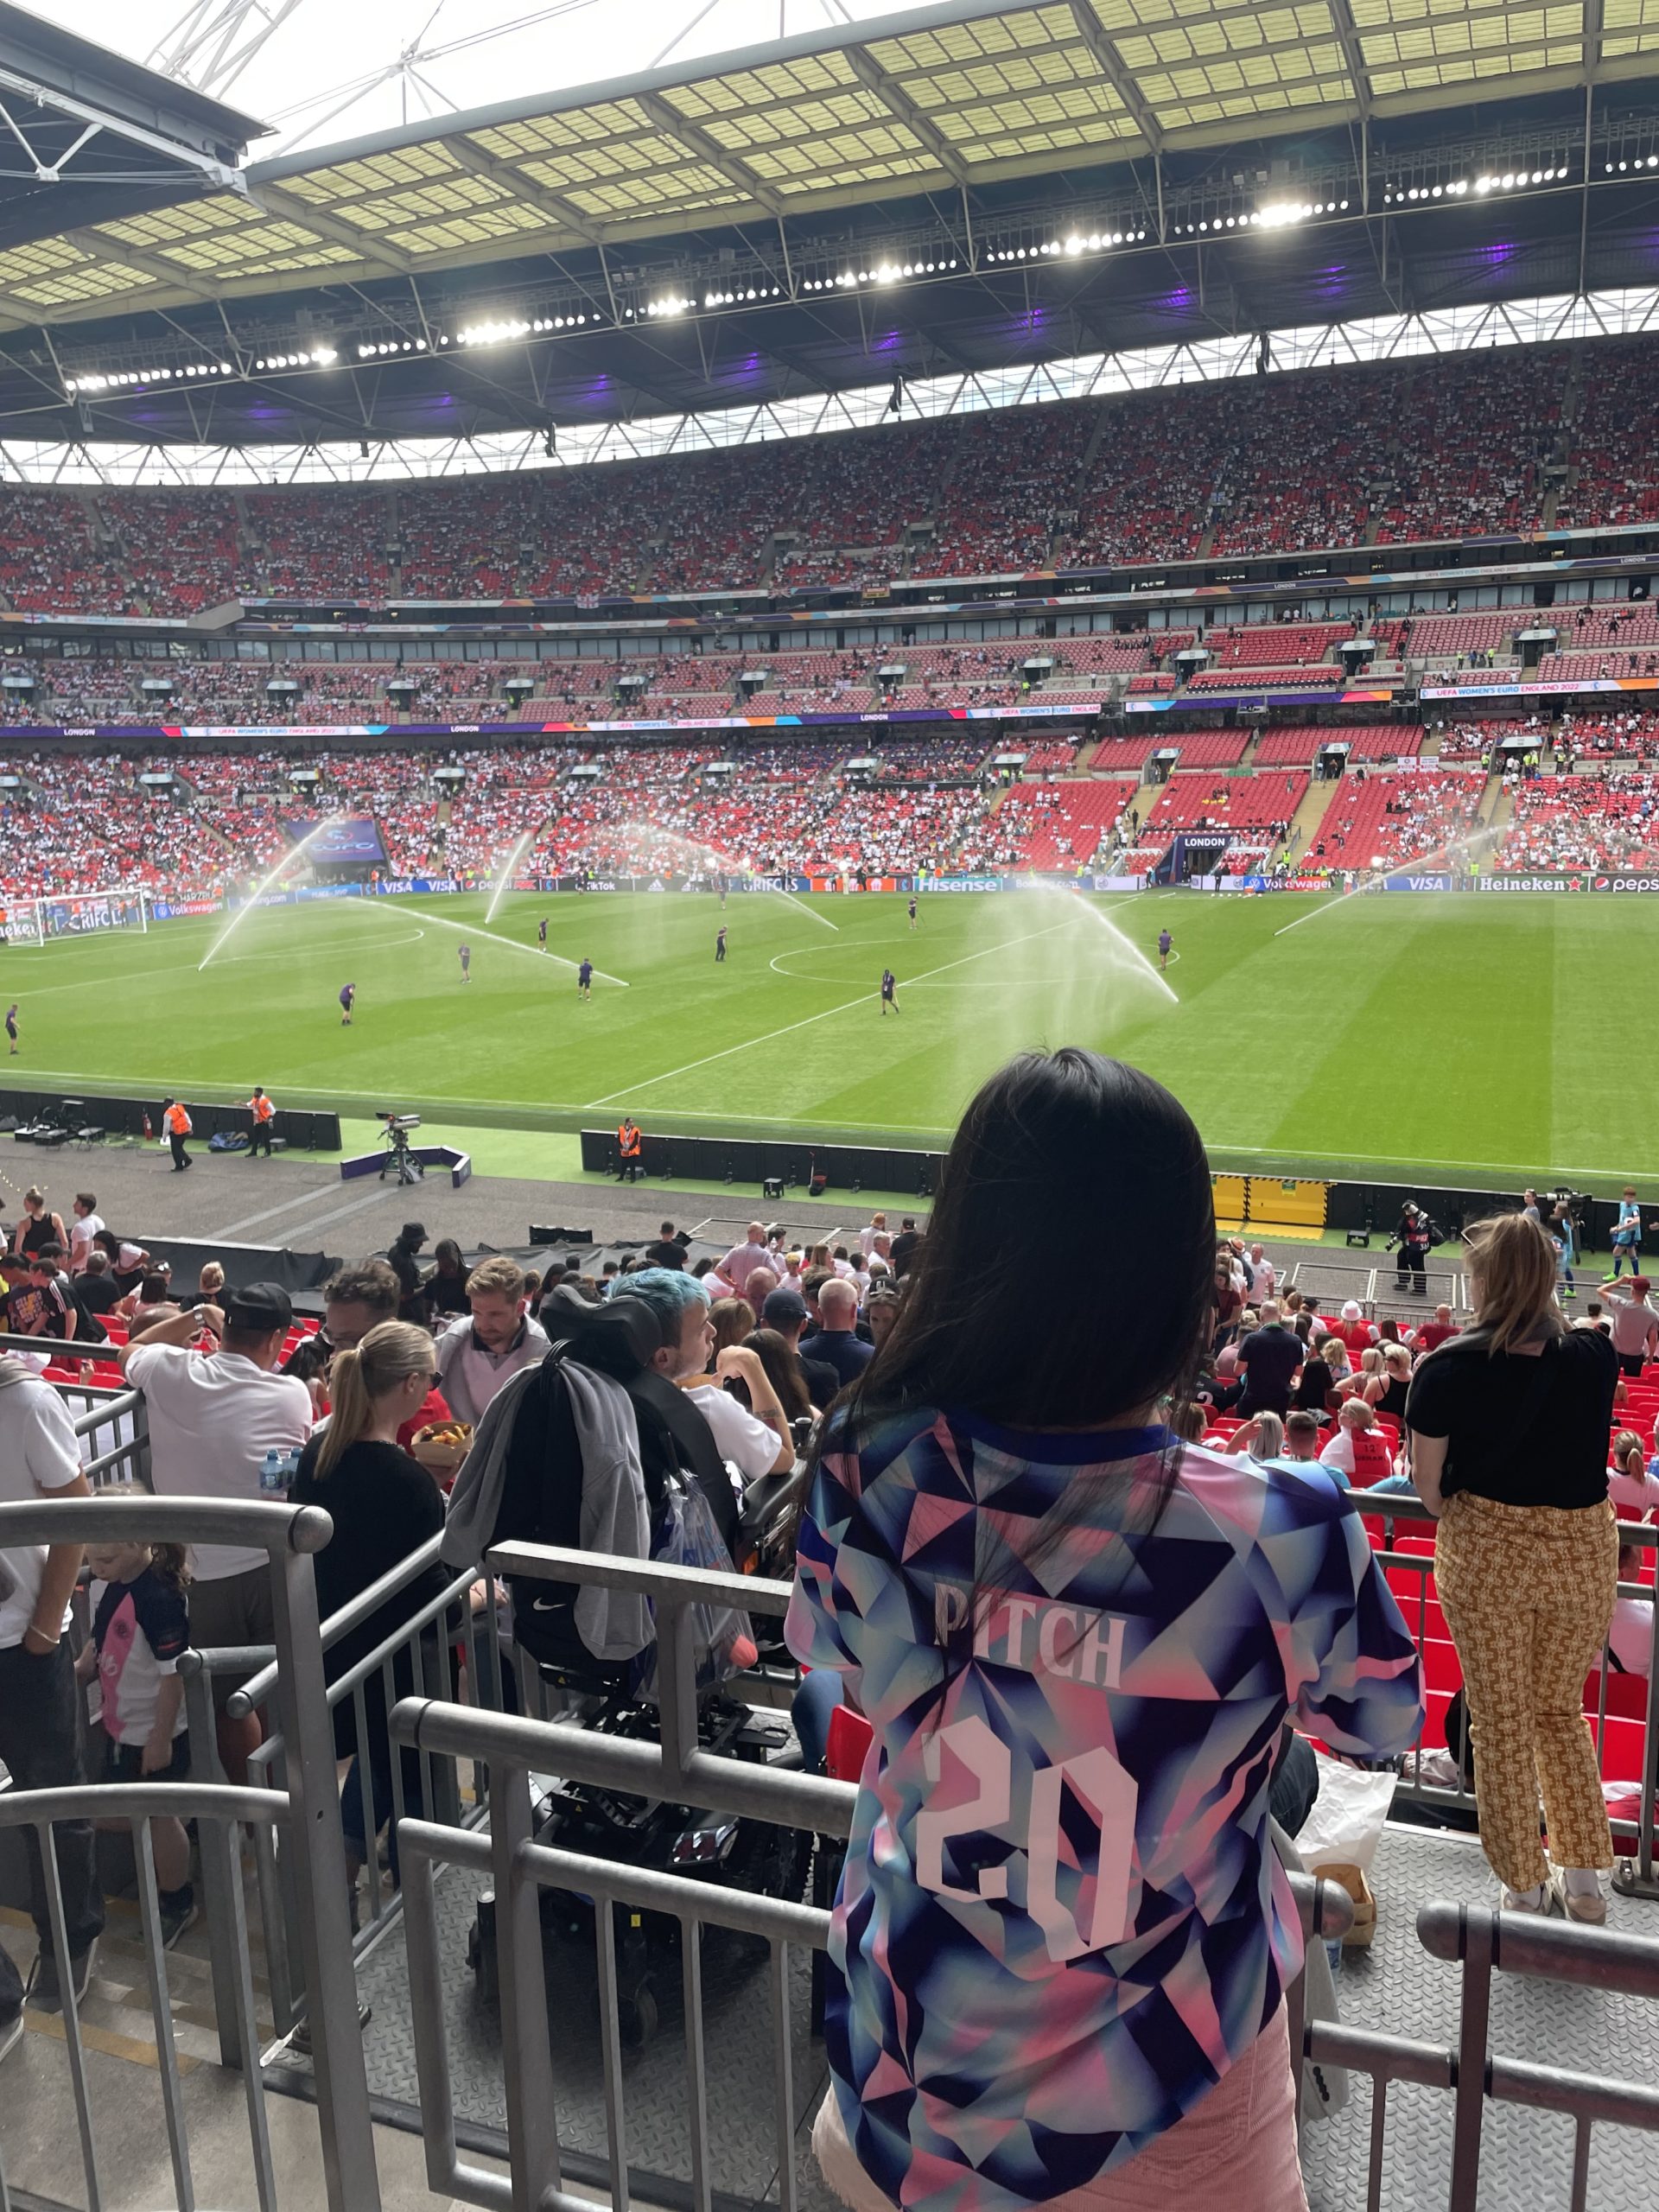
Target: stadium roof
88 135
973 95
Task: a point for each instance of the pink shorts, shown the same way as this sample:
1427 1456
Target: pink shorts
1239 2140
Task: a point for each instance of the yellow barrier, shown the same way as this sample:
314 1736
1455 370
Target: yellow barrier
1271 1204
1232 1200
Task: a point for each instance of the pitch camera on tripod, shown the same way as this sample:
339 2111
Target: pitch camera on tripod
400 1160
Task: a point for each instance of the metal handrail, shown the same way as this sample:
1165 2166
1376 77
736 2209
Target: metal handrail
1640 1880
252 1693
273 1529
72 1347
142 1801
389 1646
624 1764
1545 1950
1485 1943
289 1536
521 1867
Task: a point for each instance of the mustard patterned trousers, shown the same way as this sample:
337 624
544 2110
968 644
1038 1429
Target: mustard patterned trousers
1527 1593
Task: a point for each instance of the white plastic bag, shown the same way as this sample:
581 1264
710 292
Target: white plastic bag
1345 1825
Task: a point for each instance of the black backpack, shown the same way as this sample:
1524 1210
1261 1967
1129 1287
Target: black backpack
541 1500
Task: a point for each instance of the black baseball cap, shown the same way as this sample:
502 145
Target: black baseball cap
783 1304
259 1306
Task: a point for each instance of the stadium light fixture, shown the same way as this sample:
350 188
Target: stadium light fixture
498 333
317 357
98 380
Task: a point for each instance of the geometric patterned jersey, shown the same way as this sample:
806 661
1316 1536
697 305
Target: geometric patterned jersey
1060 1920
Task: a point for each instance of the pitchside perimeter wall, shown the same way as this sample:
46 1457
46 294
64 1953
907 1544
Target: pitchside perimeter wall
1296 1205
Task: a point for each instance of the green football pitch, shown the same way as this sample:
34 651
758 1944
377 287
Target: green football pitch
1450 1038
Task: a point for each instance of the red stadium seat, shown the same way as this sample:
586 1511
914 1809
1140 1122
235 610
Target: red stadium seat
848 1745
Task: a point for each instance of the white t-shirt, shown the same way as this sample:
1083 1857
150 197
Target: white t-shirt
750 1445
213 1418
1634 1496
37 1452
1632 1634
81 1234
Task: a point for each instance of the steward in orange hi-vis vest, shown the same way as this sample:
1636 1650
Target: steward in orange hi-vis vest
264 1113
176 1122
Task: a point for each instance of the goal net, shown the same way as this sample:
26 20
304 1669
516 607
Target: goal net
74 913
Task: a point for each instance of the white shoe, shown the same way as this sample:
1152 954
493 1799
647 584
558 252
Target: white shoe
1510 1900
1588 1908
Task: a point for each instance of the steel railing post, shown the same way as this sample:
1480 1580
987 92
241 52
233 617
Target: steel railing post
349 2172
527 2049
1477 1938
221 1866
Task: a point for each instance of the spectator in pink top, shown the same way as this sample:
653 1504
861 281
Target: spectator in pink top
741 1262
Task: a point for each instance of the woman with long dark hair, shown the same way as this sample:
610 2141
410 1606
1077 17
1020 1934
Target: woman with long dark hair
1509 1451
784 1371
445 1288
1061 1940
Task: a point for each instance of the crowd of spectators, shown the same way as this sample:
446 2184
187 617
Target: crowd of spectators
75 689
1622 733
1007 483
857 803
85 824
1465 438
1254 812
1470 742
293 692
1615 425
1246 466
1609 821
1196 1393
1378 820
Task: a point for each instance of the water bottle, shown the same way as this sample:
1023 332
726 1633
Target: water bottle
274 1473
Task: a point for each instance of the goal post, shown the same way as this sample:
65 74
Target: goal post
90 913
20 922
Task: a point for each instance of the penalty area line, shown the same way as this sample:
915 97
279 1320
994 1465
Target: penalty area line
749 1044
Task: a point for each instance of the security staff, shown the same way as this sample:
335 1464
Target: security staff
176 1122
263 1115
630 1150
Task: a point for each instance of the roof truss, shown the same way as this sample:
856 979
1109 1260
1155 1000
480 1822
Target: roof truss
970 94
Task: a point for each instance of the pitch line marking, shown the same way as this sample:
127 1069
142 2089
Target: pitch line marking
180 968
531 951
1313 912
789 1028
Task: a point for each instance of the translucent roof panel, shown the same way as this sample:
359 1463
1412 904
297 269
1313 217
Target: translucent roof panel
945 99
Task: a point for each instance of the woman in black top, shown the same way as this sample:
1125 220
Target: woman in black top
1312 1391
445 1288
1397 1366
1508 1442
36 1227
384 1506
